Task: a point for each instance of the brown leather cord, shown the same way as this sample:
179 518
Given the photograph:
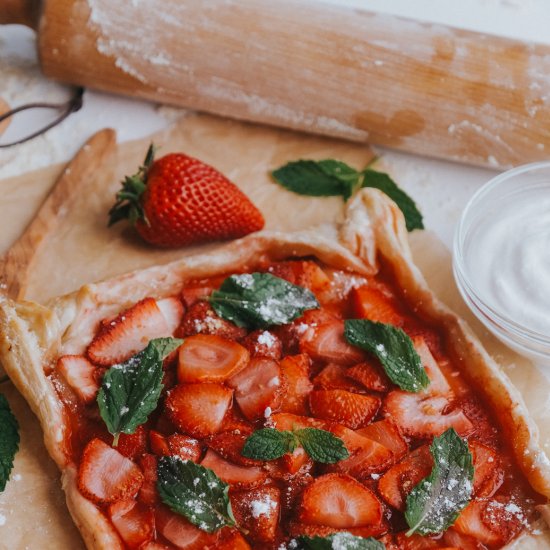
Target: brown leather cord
71 106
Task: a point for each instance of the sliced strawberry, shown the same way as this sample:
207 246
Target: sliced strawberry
326 342
287 421
396 484
292 463
425 417
148 493
172 309
258 388
198 409
257 512
485 430
350 409
80 374
262 343
159 443
230 445
488 474
154 545
438 383
230 539
415 542
463 542
431 336
371 303
291 489
339 501
192 295
105 475
302 273
180 532
234 421
492 522
208 358
187 448
133 445
303 328
295 370
503 515
129 333
387 434
200 318
367 457
334 377
341 284
370 375
296 529
239 476
134 522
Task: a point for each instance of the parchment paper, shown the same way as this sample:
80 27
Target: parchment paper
83 249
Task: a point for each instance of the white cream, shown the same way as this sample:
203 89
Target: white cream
509 260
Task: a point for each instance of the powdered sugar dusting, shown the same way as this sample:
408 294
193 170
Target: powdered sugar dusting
262 507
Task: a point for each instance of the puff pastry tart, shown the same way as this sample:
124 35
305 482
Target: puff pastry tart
285 391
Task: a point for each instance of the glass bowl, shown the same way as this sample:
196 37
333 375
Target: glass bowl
489 210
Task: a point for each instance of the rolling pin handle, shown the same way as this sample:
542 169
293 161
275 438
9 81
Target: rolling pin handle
20 12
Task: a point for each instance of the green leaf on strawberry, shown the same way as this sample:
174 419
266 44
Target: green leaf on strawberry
394 349
436 502
342 541
130 391
128 204
195 492
261 300
269 444
329 177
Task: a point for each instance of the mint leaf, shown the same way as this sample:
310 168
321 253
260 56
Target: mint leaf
269 444
435 503
329 177
322 446
325 178
383 182
260 300
9 441
195 492
130 391
342 541
393 348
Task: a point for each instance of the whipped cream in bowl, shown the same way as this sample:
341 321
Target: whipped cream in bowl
501 258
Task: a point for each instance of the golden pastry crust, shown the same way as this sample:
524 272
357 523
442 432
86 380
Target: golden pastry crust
33 336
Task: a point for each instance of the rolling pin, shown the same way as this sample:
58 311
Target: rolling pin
314 66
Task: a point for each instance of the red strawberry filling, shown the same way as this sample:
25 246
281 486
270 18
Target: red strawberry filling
225 382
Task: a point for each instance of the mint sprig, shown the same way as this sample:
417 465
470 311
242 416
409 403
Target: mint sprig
130 391
260 300
9 441
342 541
329 177
394 349
436 502
269 444
195 492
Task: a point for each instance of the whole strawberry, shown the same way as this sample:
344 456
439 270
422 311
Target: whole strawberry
178 200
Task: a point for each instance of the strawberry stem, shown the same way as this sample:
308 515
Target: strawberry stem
115 439
128 200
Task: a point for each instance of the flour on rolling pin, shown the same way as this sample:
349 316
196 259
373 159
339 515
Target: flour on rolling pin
314 66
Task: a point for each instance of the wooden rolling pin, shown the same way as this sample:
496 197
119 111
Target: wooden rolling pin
309 65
